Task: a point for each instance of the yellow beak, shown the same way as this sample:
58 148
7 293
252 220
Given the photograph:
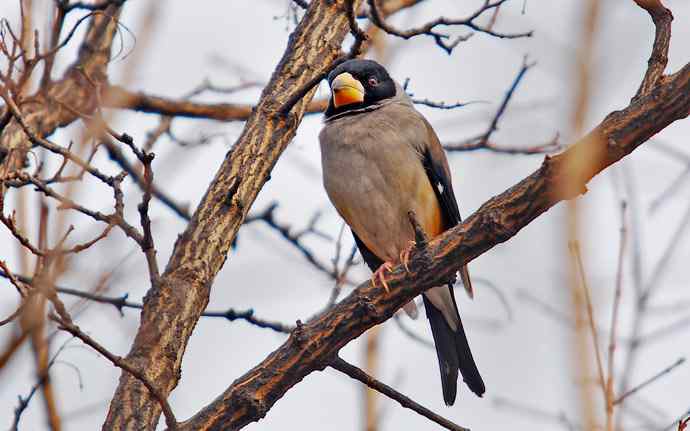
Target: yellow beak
346 90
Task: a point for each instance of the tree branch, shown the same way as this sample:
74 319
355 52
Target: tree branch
118 97
429 28
559 178
650 380
44 115
173 306
483 141
357 374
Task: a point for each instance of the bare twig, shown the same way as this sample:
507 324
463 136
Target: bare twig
11 225
658 60
119 362
650 380
609 394
357 374
118 157
577 256
411 334
442 105
122 302
118 97
65 322
341 277
24 401
268 217
44 143
146 244
483 141
441 38
559 418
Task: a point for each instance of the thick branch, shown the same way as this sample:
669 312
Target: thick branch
317 342
173 306
656 64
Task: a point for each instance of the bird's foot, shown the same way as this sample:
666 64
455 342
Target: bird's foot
380 275
405 256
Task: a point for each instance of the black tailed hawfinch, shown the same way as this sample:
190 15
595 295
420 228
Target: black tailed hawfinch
381 159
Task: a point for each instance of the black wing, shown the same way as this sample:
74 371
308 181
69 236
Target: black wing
440 181
370 258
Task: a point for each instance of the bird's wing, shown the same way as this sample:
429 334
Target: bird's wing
452 347
436 166
372 261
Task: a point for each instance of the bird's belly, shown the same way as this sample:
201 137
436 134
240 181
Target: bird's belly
374 195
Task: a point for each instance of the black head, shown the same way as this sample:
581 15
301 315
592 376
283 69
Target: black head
357 84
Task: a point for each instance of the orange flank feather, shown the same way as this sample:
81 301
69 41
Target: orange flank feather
431 215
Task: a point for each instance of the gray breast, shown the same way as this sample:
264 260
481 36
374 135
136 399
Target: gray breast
372 170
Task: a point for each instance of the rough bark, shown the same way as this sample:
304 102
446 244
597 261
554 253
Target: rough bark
314 345
174 304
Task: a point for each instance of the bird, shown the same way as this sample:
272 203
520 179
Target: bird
381 159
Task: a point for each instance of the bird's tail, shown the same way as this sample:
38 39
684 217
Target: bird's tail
454 355
466 282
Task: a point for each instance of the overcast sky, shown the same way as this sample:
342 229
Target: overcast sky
526 359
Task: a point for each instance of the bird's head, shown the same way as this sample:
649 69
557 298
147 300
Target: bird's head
357 84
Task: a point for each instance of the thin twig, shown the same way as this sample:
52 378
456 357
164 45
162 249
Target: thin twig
62 317
650 380
118 157
440 38
119 362
411 334
536 412
357 374
577 255
483 141
24 401
122 302
286 231
609 395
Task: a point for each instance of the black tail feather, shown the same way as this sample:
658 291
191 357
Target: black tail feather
454 354
468 368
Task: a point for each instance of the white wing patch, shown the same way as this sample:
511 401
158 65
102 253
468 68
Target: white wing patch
440 188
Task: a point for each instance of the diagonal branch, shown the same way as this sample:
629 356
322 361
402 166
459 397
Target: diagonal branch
174 305
650 380
483 141
312 348
357 374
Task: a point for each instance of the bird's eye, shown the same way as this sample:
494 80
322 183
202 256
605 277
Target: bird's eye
373 81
